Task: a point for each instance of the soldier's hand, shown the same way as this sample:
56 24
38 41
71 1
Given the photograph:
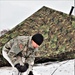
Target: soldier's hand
26 64
22 68
18 66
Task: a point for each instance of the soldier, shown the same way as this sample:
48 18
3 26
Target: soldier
20 52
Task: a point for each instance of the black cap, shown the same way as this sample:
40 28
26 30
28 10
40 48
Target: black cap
38 38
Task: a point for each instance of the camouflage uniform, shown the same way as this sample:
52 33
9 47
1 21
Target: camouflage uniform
27 51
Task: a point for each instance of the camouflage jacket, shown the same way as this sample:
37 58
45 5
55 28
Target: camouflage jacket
12 48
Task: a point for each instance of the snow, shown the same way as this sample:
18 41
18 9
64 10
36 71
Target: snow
55 68
65 67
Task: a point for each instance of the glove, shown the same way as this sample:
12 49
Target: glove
22 68
25 67
18 66
26 64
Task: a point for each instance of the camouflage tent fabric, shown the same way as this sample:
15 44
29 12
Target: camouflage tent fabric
57 28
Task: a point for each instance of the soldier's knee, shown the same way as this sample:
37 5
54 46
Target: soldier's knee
30 73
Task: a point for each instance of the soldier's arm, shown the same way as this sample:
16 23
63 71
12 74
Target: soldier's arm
6 50
14 47
31 57
8 46
30 61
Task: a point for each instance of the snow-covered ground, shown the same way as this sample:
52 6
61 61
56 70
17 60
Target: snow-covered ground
56 68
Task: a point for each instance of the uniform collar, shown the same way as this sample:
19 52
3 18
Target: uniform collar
30 44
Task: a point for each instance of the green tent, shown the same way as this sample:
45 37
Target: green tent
57 28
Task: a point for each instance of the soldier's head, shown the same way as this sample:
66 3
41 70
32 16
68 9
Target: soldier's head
37 40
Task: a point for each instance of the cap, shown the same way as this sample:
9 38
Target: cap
38 38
